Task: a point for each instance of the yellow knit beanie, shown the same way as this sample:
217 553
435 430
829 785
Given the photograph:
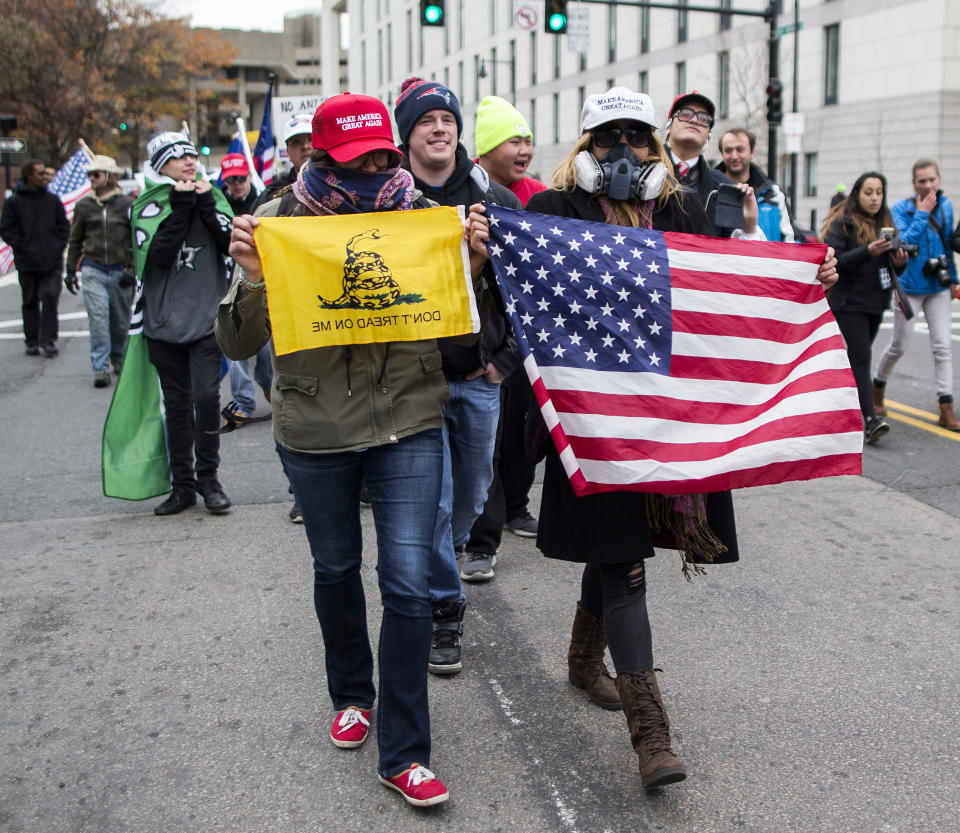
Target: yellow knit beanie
497 121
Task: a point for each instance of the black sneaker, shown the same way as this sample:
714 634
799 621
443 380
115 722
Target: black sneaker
102 380
524 525
295 516
32 350
447 630
50 349
874 429
214 498
179 500
478 566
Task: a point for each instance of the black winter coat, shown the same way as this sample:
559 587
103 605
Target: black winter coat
612 527
858 287
35 225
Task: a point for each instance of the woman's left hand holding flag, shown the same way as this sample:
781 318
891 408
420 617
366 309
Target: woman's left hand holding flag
477 232
243 248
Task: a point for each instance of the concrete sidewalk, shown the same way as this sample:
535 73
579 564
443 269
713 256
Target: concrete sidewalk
166 674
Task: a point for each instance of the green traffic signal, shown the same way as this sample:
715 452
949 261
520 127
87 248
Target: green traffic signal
123 125
205 150
555 17
431 12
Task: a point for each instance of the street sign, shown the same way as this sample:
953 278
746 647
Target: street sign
793 124
525 17
8 145
578 30
789 28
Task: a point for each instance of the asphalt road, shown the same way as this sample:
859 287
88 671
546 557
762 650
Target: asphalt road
163 674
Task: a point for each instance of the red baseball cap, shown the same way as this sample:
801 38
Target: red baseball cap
234 164
347 126
693 95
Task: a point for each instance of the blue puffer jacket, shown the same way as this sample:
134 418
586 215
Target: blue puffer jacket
915 227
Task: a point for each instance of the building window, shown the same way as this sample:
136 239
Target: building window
611 34
831 65
379 57
682 20
363 64
409 41
493 16
513 70
461 24
446 40
785 177
493 71
611 83
533 58
723 84
460 76
680 77
446 77
643 82
556 117
644 30
556 57
581 97
533 116
811 174
726 20
476 77
389 52
583 62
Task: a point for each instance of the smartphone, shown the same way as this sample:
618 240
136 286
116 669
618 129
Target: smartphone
887 233
729 211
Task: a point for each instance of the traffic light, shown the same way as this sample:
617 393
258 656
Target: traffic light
123 125
555 17
205 150
431 13
774 102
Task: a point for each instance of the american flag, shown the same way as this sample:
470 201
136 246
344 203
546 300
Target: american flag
676 363
264 152
6 258
71 183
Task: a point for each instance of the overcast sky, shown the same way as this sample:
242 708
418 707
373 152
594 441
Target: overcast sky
236 14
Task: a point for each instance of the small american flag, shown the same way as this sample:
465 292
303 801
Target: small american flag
71 183
265 150
667 362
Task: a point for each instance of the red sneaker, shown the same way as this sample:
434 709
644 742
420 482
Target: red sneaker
350 727
418 785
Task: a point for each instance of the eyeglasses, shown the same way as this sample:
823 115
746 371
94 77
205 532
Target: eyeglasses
607 137
235 180
701 118
94 174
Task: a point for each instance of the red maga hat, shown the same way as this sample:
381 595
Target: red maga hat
693 95
347 126
234 164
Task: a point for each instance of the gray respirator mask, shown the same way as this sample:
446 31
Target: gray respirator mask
619 175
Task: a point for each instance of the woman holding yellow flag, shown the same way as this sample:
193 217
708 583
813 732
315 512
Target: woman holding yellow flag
357 412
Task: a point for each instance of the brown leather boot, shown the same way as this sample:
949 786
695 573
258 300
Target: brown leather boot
585 660
948 418
649 729
879 409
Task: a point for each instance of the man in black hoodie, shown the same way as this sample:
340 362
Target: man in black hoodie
35 226
429 122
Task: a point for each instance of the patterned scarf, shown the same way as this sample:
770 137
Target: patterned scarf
676 521
344 191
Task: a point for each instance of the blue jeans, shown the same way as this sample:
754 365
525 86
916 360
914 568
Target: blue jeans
469 433
241 387
108 313
404 483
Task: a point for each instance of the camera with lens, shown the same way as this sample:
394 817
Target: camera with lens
939 268
897 245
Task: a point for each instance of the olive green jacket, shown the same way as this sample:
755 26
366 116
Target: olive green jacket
337 398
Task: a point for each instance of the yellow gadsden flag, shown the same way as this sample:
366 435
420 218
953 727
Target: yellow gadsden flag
360 278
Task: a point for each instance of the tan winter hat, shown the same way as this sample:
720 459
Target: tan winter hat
104 163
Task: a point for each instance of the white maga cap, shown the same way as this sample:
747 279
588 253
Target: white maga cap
617 103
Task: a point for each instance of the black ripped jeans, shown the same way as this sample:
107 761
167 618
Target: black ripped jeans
617 594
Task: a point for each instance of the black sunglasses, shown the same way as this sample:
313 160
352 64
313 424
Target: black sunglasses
607 137
235 180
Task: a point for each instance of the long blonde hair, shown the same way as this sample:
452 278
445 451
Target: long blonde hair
624 212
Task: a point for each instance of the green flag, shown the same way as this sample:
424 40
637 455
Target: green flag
133 458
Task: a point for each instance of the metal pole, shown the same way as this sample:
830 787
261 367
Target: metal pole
796 97
774 53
